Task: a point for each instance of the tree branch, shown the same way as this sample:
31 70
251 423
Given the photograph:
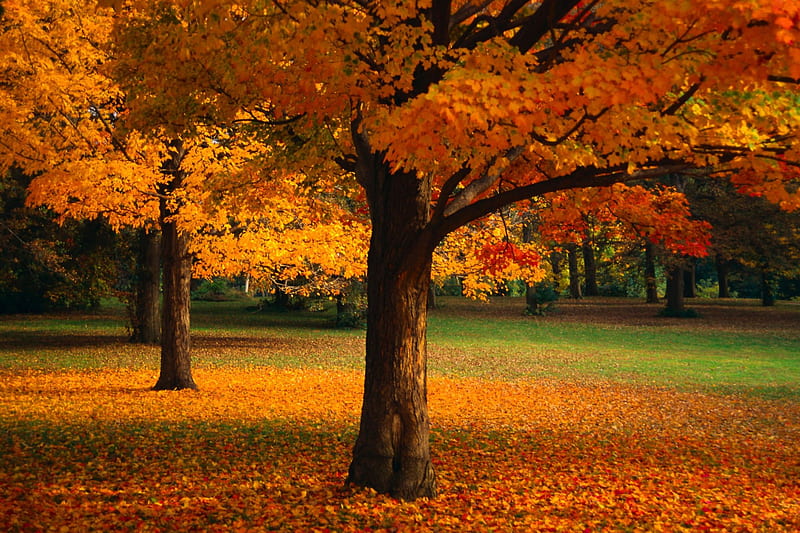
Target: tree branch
582 178
549 13
677 104
440 17
480 185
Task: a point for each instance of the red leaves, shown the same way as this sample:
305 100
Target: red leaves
499 257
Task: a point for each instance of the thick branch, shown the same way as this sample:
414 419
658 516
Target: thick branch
495 26
550 12
581 178
440 17
447 189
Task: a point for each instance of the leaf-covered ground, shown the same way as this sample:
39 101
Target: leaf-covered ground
598 417
267 449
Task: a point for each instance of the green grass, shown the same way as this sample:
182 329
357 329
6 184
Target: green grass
736 346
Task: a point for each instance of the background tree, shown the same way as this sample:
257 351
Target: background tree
748 231
49 265
63 121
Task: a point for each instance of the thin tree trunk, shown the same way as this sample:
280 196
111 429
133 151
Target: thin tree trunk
590 269
392 451
555 263
723 269
147 305
767 292
531 298
574 275
675 299
176 365
689 281
432 303
651 287
532 304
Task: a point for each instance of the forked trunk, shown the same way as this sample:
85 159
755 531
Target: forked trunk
392 451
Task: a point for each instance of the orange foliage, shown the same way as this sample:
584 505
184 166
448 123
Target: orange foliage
487 254
266 448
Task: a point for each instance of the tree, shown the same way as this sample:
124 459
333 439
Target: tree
748 231
445 112
488 254
63 122
47 265
146 289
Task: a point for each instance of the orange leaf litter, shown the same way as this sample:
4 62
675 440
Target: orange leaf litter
267 449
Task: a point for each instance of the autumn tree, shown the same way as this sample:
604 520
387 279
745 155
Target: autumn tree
64 123
447 111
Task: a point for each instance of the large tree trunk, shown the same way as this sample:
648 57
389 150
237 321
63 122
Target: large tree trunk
675 296
651 287
392 451
147 306
574 275
176 364
590 269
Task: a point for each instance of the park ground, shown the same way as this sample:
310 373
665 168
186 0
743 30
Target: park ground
599 416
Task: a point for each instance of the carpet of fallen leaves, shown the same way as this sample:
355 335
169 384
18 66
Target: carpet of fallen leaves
267 449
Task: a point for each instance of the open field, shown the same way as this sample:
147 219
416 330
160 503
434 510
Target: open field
599 417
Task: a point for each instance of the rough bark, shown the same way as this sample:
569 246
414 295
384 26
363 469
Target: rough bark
676 304
392 451
651 287
176 364
590 269
147 307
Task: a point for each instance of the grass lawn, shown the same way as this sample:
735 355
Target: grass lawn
601 416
